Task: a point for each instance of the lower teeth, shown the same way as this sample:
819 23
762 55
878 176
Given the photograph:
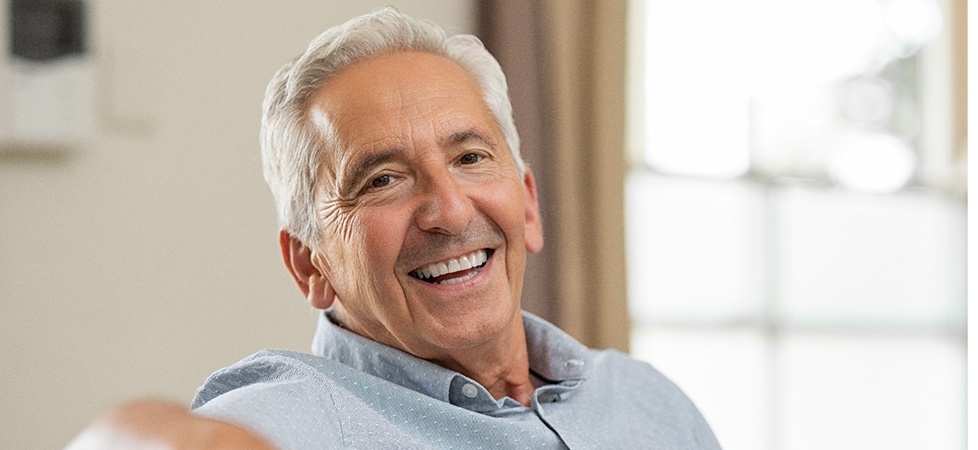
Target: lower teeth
458 280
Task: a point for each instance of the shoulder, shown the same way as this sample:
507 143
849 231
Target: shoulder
651 401
267 367
637 380
296 400
275 392
614 364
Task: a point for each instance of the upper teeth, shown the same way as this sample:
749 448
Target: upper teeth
474 259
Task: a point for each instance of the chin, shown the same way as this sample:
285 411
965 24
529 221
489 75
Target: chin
471 330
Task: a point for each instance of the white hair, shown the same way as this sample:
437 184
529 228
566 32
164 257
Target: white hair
292 150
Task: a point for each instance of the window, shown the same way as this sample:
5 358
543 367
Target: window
795 220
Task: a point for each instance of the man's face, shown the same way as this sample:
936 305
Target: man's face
425 218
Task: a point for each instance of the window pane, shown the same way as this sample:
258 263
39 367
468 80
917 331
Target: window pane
870 259
767 86
698 111
858 393
694 249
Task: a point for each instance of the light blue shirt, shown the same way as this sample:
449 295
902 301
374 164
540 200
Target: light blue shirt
356 393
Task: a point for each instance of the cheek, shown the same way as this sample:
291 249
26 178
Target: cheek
379 237
364 239
504 205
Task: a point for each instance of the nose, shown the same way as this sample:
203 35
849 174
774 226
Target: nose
445 206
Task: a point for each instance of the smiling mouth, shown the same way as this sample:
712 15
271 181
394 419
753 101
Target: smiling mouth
454 270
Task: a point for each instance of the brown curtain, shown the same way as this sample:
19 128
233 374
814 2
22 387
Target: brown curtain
959 40
565 61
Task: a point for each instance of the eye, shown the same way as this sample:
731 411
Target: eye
381 181
470 158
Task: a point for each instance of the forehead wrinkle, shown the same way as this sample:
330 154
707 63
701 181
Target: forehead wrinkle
452 128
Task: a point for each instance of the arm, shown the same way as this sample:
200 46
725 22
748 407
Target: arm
160 425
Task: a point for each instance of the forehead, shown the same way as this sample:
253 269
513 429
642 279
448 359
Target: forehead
399 96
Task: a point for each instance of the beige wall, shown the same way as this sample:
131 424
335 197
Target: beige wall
141 262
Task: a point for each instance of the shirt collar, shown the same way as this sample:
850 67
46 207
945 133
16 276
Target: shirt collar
341 345
553 355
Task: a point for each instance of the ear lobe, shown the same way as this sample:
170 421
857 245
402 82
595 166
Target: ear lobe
312 281
533 227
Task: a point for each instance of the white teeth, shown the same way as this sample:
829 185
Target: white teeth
440 269
459 279
466 262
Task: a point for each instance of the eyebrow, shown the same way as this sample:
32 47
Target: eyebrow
363 165
463 136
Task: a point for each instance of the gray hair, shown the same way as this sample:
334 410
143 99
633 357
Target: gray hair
292 150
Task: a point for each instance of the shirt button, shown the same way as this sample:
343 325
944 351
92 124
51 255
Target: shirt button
549 398
470 391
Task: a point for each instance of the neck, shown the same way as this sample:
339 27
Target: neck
503 368
501 365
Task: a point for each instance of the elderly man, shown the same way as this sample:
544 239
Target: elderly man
406 214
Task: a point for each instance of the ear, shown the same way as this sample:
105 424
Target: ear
534 227
312 281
